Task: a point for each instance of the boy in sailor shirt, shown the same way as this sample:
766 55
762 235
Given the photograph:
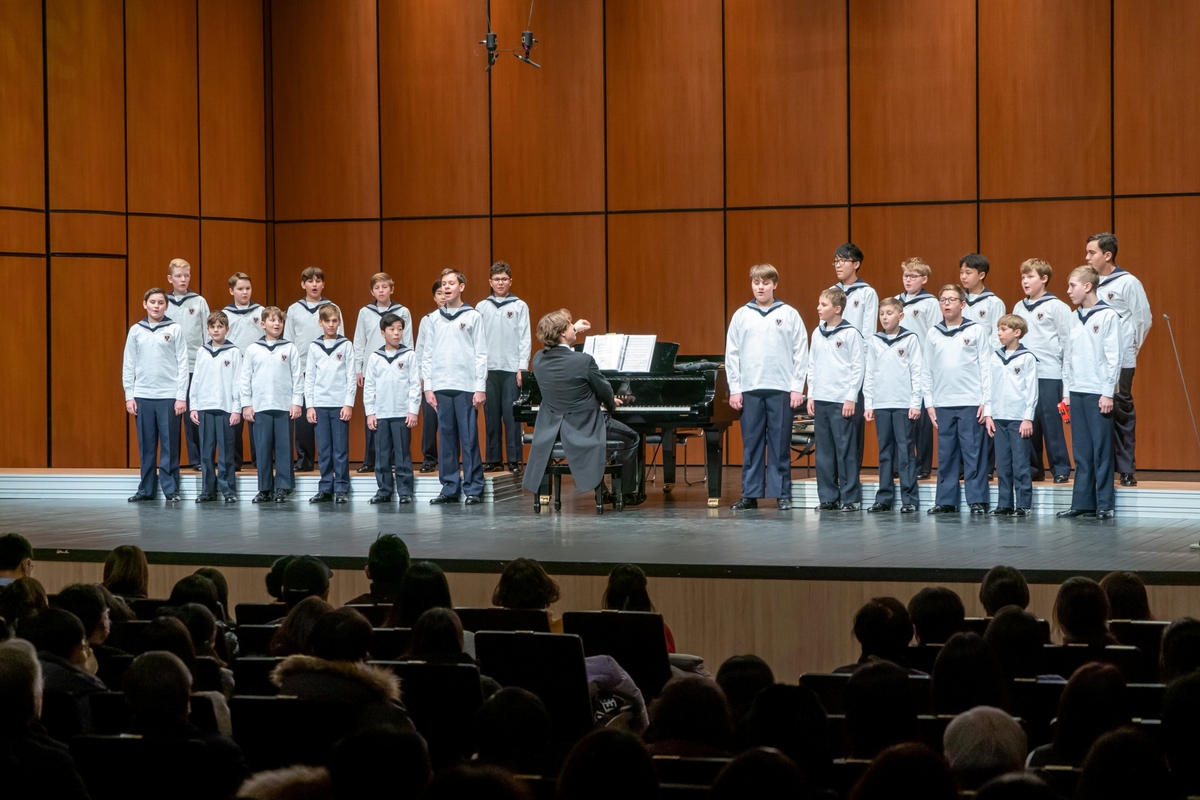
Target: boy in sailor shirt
861 311
245 328
506 326
892 394
190 310
367 339
983 307
836 367
766 355
330 383
154 374
1091 368
454 361
429 417
216 402
392 400
956 384
302 329
1048 320
1009 415
921 312
272 391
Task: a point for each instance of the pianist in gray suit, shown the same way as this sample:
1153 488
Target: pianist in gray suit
573 391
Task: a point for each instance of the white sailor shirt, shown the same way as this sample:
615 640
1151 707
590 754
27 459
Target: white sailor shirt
216 381
245 324
329 379
369 338
986 309
1125 293
303 326
154 365
893 376
191 312
454 354
1049 323
921 312
271 376
1092 360
837 363
862 306
1013 377
391 383
954 367
506 326
766 348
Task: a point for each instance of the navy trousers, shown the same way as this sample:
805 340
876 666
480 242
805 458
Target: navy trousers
305 439
897 454
238 458
273 445
961 449
837 455
369 444
860 425
191 431
1014 465
458 427
217 438
766 443
1124 423
333 450
429 433
393 457
1048 430
158 442
925 443
502 392
1092 446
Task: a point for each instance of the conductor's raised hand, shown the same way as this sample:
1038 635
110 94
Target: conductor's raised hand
735 401
582 326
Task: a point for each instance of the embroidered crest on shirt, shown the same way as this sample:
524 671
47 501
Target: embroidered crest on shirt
283 357
399 365
1112 295
1016 370
838 344
192 311
982 313
1096 328
166 337
510 315
228 362
916 312
340 356
900 353
462 326
856 302
966 341
1040 316
779 322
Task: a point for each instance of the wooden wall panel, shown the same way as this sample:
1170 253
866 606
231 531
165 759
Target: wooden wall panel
433 96
940 234
1157 236
22 231
22 160
548 124
85 67
23 369
912 100
666 271
88 423
664 104
230 247
1157 133
1044 112
87 233
232 110
785 102
326 111
162 116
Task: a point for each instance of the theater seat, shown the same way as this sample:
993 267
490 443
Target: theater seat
635 639
689 771
503 619
132 768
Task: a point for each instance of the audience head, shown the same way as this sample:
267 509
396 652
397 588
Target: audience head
157 688
966 674
341 635
59 633
275 576
476 782
1121 764
222 587
906 770
371 758
1017 639
762 774
21 598
790 719
423 587
1180 649
883 628
387 562
295 633
297 782
879 708
626 590
304 577
1003 586
1127 598
201 626
118 609
1181 730
605 764
437 636
741 678
525 584
86 602
126 571
1094 702
983 743
20 685
512 730
691 710
169 635
937 614
1016 786
16 556
1081 612
196 589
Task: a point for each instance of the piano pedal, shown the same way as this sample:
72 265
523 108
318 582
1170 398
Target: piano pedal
545 499
713 501
667 487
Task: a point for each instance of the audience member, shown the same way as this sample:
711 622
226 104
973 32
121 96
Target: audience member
202 628
169 634
605 764
296 782
387 561
525 584
883 629
118 609
366 760
1003 586
1180 649
126 572
983 743
967 674
437 638
68 671
937 614
1181 731
906 770
20 599
879 709
790 719
33 764
1093 703
16 558
741 678
691 719
1122 764
627 590
512 730
1016 786
472 782
222 586
85 601
196 589
423 587
1081 612
1127 597
762 774
1017 639
274 579
304 577
292 637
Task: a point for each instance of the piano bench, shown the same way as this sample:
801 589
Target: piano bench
559 467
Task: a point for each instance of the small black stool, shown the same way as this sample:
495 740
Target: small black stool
558 467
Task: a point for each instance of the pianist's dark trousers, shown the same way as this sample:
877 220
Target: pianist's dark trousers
766 443
624 454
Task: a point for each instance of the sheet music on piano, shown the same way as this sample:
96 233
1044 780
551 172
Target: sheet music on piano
621 352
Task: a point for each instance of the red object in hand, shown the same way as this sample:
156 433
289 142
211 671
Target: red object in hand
1064 411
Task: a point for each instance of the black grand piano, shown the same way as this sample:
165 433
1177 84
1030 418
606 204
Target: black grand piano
677 392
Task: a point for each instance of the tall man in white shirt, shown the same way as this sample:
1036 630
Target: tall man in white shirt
506 326
245 328
861 311
190 310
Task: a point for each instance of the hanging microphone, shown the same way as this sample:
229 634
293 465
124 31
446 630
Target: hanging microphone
527 41
489 41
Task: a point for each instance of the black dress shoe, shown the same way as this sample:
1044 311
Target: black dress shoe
635 499
785 503
281 495
1021 512
1061 478
942 510
1128 479
491 466
263 497
908 508
174 498
473 500
341 497
194 467
443 499
923 476
321 497
367 468
1002 512
206 498
1107 513
427 468
230 498
304 466
380 498
140 498
832 505
405 499
848 507
514 467
745 504
979 508
877 507
1070 513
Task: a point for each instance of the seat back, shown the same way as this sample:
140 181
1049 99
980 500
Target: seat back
252 676
389 644
1036 702
548 664
636 639
441 700
376 613
1145 635
255 640
277 731
846 772
1145 699
146 608
1064 659
830 689
689 771
126 767
922 656
127 635
504 619
112 669
259 613
206 675
111 716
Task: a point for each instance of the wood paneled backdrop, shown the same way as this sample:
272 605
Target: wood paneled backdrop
662 149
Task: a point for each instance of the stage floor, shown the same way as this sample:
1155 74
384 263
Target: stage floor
676 535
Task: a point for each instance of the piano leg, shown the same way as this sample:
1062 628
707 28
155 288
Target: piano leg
668 459
712 445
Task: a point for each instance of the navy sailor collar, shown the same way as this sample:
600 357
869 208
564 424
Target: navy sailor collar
1021 350
271 345
1100 306
853 287
827 332
208 348
303 303
389 310
904 298
986 293
180 299
942 329
753 304
1043 299
336 343
1118 272
453 315
499 302
234 308
891 340
152 327
390 357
